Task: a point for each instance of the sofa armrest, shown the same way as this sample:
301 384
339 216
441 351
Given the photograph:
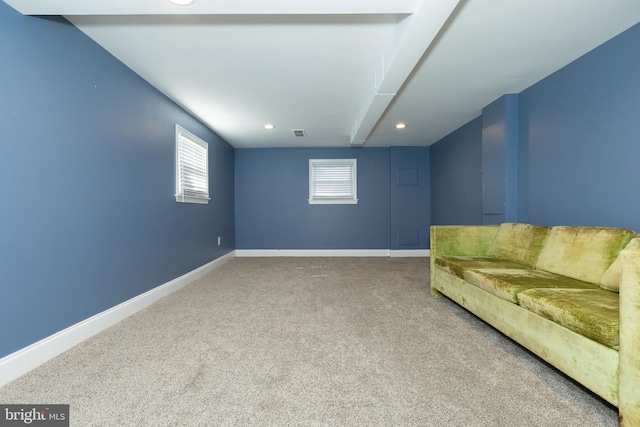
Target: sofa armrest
461 240
629 369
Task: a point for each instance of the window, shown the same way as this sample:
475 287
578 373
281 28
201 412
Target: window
192 168
333 181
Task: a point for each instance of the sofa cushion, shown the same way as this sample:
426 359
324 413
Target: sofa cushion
508 283
520 243
611 278
593 313
457 265
582 253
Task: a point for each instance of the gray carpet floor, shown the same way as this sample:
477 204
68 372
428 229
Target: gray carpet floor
308 342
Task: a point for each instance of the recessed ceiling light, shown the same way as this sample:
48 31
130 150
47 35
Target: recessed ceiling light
182 2
401 125
269 126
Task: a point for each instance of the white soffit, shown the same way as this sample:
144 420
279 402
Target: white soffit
211 7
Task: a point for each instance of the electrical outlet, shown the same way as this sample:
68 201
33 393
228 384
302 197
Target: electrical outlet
219 240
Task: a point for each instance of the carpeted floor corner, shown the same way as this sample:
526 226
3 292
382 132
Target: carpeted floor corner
308 342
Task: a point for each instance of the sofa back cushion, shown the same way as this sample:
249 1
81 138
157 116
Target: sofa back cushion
611 278
582 253
519 243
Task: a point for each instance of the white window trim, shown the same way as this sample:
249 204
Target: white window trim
319 200
182 136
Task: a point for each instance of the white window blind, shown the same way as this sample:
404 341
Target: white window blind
333 181
192 168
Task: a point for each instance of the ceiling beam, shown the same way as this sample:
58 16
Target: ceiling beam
412 39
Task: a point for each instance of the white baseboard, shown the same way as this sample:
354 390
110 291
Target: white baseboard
331 253
312 252
421 253
22 361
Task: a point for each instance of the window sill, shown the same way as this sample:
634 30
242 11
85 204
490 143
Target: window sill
196 200
333 201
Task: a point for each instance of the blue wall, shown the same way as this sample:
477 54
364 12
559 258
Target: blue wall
578 147
580 138
89 217
273 212
456 183
272 208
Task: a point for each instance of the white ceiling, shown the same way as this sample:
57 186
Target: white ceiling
344 70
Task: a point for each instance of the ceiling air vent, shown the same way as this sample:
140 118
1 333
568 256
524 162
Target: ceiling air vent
298 132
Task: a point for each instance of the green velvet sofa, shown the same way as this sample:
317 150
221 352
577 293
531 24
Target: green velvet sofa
569 294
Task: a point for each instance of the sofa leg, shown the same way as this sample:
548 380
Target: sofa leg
435 293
